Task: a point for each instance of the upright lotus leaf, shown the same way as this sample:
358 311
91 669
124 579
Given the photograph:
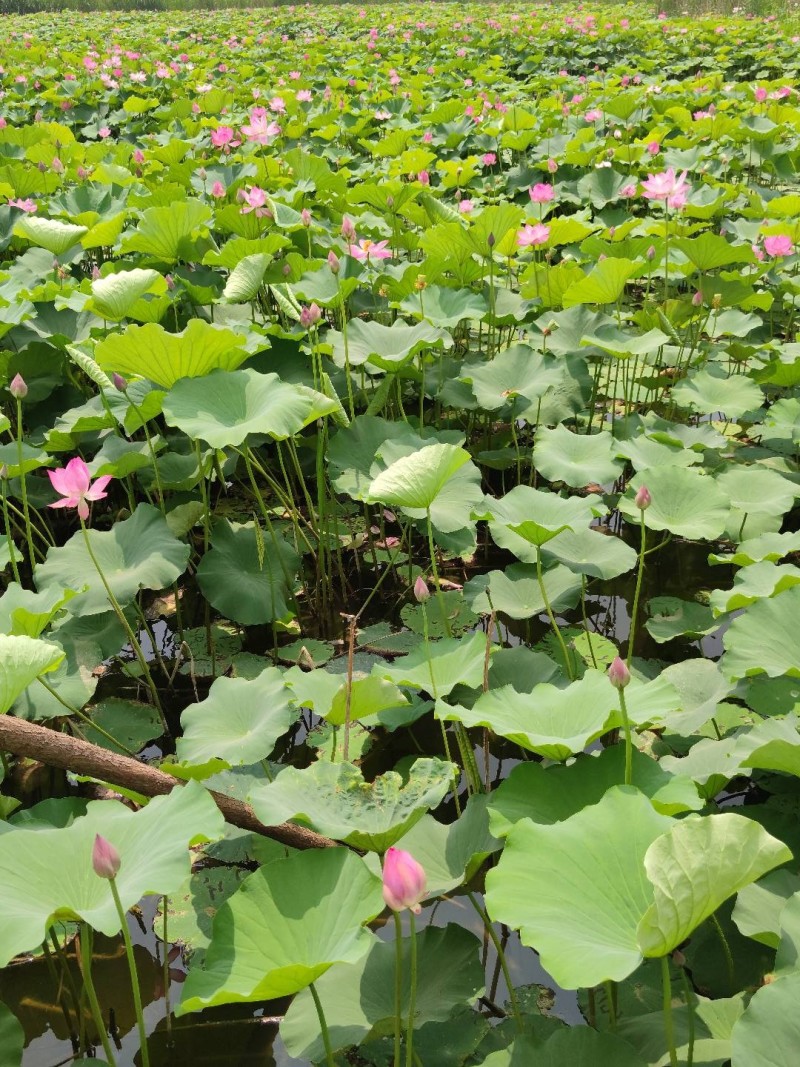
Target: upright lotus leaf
766 1034
443 306
756 582
336 801
387 347
47 875
769 546
238 723
22 660
695 867
285 926
246 278
758 908
439 667
588 551
604 284
516 592
709 763
576 890
56 237
517 372
23 612
757 490
246 577
116 295
772 744
358 999
525 519
169 233
581 1046
764 639
685 502
151 352
702 687
577 459
712 390
225 407
552 722
369 695
137 553
413 482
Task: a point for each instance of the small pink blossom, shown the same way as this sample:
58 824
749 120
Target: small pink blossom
218 190
653 147
666 186
368 250
465 206
28 206
404 881
541 192
74 484
532 236
780 244
260 129
255 199
488 159
760 94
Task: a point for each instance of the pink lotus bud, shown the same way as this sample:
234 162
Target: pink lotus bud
3 473
170 282
618 673
18 387
651 253
105 858
310 316
348 228
643 500
403 881
552 166
333 262
138 156
421 591
305 216
119 382
697 299
424 178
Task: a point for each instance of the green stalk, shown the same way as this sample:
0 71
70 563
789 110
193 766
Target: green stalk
551 616
137 996
59 988
726 950
323 1026
434 569
412 996
132 639
638 589
669 1027
86 718
91 992
152 451
61 956
611 998
687 992
165 968
24 487
501 956
435 695
11 546
398 985
626 726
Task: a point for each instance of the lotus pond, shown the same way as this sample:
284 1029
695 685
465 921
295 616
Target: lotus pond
399 646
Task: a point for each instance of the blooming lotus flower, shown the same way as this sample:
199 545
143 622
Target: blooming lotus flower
780 244
369 250
105 858
28 206
74 484
541 192
255 199
261 129
303 96
465 206
666 186
531 236
222 136
403 881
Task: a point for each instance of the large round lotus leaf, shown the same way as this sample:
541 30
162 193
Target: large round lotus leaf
414 481
709 763
525 518
685 502
576 458
516 591
604 284
695 867
701 687
758 908
22 660
225 407
238 723
552 794
168 232
550 721
27 613
149 351
284 927
359 999
769 546
12 1038
387 347
47 875
352 451
766 1034
244 583
757 490
336 801
114 296
443 306
439 667
57 237
713 390
587 551
576 890
764 639
580 1046
772 744
671 617
137 553
519 371
756 582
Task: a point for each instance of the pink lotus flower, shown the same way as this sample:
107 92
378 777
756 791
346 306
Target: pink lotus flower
261 129
779 245
369 250
531 236
488 159
404 881
541 193
222 136
760 94
28 206
218 190
74 484
666 186
255 200
303 96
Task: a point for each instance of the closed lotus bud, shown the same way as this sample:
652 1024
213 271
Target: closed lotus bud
348 228
552 166
643 500
18 387
310 316
618 673
716 301
3 473
333 262
490 240
105 858
697 299
403 881
119 382
421 590
651 253
305 217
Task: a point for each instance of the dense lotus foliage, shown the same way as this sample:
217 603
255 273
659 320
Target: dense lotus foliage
400 434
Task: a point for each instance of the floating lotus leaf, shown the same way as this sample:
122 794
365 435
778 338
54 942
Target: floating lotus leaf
577 459
756 582
587 551
712 390
685 502
525 518
438 668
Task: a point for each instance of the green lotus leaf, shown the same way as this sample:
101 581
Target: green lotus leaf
359 998
22 660
695 867
757 490
130 723
671 617
764 639
137 553
577 459
588 551
388 347
369 695
154 851
580 1046
555 793
246 278
238 723
552 722
769 546
169 233
766 1034
756 582
337 801
519 371
758 908
702 688
516 591
116 295
712 390
284 927
580 903
604 284
23 612
12 1038
245 577
438 668
149 351
685 502
772 744
446 307
711 250
225 407
414 481
709 763
525 519
57 237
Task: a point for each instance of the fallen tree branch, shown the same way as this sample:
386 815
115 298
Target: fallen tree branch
55 749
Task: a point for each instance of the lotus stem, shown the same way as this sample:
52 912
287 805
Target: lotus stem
488 925
398 986
551 616
626 726
435 571
137 996
323 1026
165 967
412 996
12 548
638 590
24 487
91 993
669 1026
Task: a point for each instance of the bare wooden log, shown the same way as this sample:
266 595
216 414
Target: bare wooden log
23 738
